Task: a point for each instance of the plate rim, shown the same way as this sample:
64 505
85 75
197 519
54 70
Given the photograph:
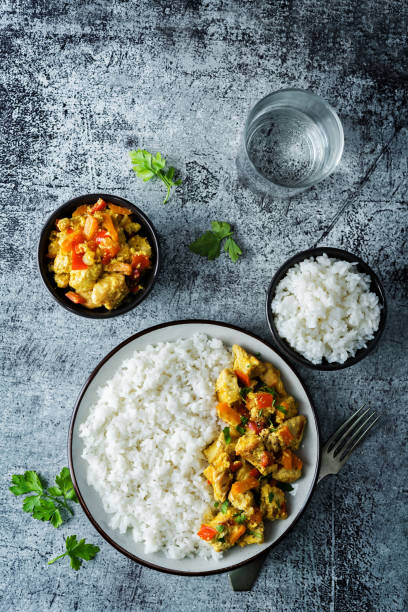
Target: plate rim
89 515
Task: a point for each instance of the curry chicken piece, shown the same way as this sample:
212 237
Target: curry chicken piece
288 435
245 365
273 502
252 454
252 449
227 387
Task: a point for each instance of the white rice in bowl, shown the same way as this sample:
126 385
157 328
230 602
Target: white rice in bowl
324 309
144 440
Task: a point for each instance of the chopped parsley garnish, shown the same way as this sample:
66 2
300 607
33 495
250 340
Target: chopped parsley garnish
266 389
284 486
239 518
260 413
270 497
220 528
273 429
282 409
216 504
224 506
244 391
244 420
227 435
240 429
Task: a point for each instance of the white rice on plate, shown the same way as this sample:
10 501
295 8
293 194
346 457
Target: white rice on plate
324 309
144 440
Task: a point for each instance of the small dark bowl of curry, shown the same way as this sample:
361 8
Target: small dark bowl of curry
131 300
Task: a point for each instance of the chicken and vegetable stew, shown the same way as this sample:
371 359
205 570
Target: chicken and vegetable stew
252 462
99 255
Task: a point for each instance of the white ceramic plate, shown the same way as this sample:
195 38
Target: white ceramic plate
89 499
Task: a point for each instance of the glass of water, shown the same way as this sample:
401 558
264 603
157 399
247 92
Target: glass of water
292 140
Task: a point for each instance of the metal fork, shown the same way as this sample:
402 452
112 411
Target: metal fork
335 453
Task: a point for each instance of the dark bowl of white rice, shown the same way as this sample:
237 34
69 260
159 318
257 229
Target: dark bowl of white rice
326 308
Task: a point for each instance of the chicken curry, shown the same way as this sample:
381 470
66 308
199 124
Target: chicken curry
99 255
252 462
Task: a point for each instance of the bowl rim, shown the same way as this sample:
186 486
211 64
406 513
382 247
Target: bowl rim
82 501
70 306
376 287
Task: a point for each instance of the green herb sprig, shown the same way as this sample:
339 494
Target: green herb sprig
77 551
47 504
147 166
209 244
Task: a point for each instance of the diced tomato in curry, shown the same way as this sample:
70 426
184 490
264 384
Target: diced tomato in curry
252 455
99 255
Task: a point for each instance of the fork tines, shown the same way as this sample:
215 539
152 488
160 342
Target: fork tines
350 434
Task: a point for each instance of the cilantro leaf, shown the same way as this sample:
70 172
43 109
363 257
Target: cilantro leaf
233 250
147 166
77 551
282 409
220 528
209 244
224 506
240 429
26 483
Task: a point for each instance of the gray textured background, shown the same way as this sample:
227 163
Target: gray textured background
82 83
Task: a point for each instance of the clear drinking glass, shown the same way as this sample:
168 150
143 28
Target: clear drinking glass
292 140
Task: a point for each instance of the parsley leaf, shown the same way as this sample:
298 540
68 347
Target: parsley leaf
26 483
244 420
282 409
147 166
220 528
233 250
209 244
239 518
284 486
46 504
244 391
77 551
224 506
216 504
240 429
227 435
266 389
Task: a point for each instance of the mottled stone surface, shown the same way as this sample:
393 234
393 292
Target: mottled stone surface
81 83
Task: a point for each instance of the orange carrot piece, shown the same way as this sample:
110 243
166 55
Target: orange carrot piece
110 227
257 516
91 227
286 435
81 210
74 297
119 210
244 378
228 414
241 486
71 240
